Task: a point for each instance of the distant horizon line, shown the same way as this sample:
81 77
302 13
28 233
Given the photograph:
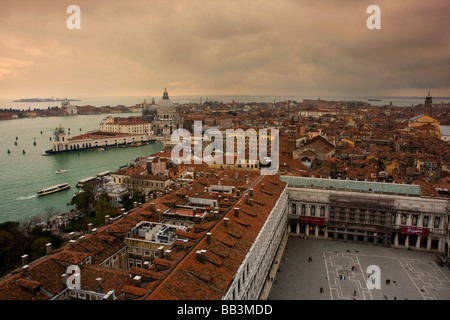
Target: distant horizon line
232 95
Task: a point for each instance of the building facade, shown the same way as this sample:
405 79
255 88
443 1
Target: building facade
392 215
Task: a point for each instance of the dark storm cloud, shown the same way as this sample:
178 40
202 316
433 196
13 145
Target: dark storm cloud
224 47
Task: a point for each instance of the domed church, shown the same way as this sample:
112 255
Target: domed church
163 116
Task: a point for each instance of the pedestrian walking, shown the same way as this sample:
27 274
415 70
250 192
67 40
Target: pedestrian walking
321 289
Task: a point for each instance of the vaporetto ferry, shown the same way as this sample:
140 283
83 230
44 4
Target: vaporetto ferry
53 189
96 140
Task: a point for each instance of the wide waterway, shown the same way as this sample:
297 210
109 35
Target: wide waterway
22 175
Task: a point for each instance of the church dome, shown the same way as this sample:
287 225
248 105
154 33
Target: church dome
166 104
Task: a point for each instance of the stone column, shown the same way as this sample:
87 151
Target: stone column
297 228
396 240
398 219
326 232
316 231
407 241
307 229
409 220
420 222
429 243
418 242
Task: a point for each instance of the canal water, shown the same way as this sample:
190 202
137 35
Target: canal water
25 170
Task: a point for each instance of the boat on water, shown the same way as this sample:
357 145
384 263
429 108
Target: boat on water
53 189
374 99
60 171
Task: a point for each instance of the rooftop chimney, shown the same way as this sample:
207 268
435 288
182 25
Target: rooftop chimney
251 192
161 252
99 284
90 227
168 254
262 185
158 215
24 260
225 222
201 257
208 238
25 269
250 201
107 219
236 212
48 248
137 281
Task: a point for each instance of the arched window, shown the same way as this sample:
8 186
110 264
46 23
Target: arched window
437 221
414 220
426 220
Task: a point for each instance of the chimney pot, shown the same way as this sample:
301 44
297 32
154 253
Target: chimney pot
208 238
25 269
236 212
158 215
24 260
225 222
48 248
161 251
99 284
201 257
137 281
90 227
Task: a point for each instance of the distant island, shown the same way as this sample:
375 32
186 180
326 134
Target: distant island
44 100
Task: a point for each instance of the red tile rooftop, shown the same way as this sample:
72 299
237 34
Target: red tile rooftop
225 251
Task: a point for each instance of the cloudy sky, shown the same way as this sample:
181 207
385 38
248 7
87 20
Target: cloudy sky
230 47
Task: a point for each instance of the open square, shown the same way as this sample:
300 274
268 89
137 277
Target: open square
341 268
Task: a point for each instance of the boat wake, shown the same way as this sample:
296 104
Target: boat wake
27 198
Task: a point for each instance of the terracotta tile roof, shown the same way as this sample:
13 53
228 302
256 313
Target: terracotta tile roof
134 291
191 279
111 278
